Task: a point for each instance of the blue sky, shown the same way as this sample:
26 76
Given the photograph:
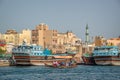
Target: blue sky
102 16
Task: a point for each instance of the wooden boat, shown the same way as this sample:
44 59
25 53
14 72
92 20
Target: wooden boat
35 55
32 55
51 65
88 59
107 55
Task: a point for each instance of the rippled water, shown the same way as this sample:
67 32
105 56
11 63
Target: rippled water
82 72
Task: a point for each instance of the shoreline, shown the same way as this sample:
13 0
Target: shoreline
4 63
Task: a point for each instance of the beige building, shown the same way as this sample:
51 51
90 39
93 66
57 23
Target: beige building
57 49
38 35
57 42
50 38
51 42
99 41
25 35
114 41
68 39
43 36
11 36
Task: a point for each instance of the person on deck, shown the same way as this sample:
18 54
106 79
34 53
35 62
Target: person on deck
54 64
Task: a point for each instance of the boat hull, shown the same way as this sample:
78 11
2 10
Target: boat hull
88 60
107 60
34 60
72 66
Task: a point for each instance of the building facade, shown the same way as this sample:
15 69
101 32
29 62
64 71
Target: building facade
99 41
68 39
52 39
38 35
43 36
114 41
11 36
25 35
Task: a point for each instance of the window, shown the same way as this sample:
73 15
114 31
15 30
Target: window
114 53
37 53
6 37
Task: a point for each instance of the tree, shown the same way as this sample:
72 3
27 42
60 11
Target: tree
2 51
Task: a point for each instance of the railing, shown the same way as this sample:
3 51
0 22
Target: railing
21 51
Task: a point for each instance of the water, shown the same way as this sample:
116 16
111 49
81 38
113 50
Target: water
82 72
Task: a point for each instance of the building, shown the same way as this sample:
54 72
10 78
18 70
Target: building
88 49
68 39
43 36
11 36
99 41
38 35
56 49
52 39
87 35
25 35
114 41
46 38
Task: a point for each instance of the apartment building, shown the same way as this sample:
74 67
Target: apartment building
52 39
114 41
99 41
68 39
38 35
11 36
25 35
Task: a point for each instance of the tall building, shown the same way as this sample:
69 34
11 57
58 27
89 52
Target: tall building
87 35
51 42
57 42
25 35
50 38
38 35
43 36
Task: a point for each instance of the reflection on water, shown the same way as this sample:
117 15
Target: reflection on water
81 72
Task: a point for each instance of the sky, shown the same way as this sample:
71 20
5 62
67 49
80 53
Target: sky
102 16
